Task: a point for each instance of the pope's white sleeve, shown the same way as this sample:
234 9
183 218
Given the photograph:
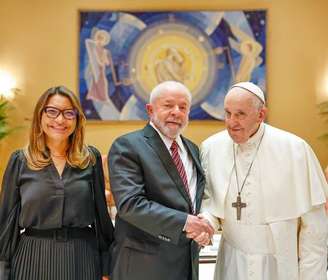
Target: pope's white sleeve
214 221
208 193
313 245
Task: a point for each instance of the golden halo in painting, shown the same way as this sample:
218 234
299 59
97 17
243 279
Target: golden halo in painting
172 51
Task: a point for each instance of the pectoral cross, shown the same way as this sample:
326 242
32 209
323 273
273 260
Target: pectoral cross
238 205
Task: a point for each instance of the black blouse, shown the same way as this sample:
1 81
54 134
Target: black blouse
44 200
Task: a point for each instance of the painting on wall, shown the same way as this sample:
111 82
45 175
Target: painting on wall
123 55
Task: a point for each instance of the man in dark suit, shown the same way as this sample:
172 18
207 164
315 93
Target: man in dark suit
158 183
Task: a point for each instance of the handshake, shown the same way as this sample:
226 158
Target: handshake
199 229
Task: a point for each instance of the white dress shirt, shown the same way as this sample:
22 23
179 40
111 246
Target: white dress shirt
186 160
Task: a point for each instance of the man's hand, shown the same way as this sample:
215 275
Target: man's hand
198 227
105 278
203 239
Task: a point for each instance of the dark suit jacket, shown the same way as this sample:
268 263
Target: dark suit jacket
152 209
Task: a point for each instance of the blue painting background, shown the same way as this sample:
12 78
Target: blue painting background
123 36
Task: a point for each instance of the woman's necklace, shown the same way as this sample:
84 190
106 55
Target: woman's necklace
57 156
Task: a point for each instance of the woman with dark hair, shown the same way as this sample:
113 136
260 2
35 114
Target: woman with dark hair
54 223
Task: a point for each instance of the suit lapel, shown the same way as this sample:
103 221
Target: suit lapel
155 141
193 153
200 175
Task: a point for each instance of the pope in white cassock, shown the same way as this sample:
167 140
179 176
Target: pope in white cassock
266 189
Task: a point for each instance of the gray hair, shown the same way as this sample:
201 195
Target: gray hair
163 87
257 103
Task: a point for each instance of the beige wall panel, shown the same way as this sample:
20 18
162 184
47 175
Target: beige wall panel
39 46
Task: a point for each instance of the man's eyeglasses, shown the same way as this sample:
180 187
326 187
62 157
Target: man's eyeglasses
53 113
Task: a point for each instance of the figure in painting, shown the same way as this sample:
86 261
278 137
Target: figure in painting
99 59
250 51
170 67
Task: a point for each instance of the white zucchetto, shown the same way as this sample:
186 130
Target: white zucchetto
252 88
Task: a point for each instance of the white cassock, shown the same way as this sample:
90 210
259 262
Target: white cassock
282 233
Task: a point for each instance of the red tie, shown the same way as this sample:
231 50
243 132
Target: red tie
179 164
